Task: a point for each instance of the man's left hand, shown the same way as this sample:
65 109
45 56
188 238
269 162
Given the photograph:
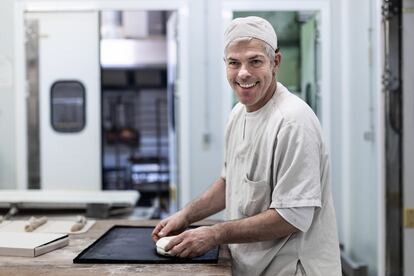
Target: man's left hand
193 243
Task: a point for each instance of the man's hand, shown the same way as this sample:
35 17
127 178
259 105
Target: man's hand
193 243
210 202
170 226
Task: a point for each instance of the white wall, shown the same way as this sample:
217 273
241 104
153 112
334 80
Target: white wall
356 156
337 95
7 101
205 124
205 64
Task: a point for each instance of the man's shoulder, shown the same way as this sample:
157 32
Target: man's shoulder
234 114
292 109
289 112
237 109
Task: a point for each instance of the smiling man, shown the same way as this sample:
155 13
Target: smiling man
275 179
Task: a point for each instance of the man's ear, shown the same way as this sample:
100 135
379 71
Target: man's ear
277 61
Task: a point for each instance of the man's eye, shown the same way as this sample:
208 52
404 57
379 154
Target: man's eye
256 62
232 63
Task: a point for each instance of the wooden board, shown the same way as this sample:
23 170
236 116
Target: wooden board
51 226
30 244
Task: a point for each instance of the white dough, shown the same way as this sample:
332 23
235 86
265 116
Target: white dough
162 243
162 252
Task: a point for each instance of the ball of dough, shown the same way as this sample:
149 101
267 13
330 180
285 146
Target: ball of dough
162 243
162 252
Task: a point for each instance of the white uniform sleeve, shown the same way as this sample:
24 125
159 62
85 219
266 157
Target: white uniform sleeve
296 168
300 217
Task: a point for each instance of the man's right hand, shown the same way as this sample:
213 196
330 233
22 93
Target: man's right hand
172 225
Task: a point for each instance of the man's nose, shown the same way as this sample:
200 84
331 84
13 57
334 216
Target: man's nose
244 72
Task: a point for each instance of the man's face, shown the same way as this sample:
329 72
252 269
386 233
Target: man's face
250 72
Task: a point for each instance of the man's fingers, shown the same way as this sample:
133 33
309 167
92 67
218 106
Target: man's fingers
174 243
185 253
156 232
155 237
164 231
157 228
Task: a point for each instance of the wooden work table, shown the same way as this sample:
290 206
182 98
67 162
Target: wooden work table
59 262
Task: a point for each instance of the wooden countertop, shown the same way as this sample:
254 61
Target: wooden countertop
60 262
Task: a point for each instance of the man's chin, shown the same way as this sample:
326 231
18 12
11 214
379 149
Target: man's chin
246 103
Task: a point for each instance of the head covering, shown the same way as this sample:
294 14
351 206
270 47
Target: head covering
251 26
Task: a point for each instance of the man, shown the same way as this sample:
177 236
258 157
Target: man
275 179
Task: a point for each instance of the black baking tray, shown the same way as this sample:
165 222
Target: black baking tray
133 245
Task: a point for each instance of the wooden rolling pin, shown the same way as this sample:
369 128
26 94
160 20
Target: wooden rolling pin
34 223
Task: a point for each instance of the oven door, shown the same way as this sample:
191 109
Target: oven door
66 102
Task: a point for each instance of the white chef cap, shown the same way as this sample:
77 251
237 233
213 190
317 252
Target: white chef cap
251 26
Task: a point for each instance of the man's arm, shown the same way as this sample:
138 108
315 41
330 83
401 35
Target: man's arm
268 225
210 202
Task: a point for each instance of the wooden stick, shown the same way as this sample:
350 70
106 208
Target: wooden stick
34 223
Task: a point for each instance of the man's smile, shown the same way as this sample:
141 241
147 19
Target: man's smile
247 85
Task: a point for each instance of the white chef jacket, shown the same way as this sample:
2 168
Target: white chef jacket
285 165
300 217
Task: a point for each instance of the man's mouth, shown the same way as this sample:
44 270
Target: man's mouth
247 85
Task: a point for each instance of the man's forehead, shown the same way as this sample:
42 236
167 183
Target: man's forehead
245 49
245 55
